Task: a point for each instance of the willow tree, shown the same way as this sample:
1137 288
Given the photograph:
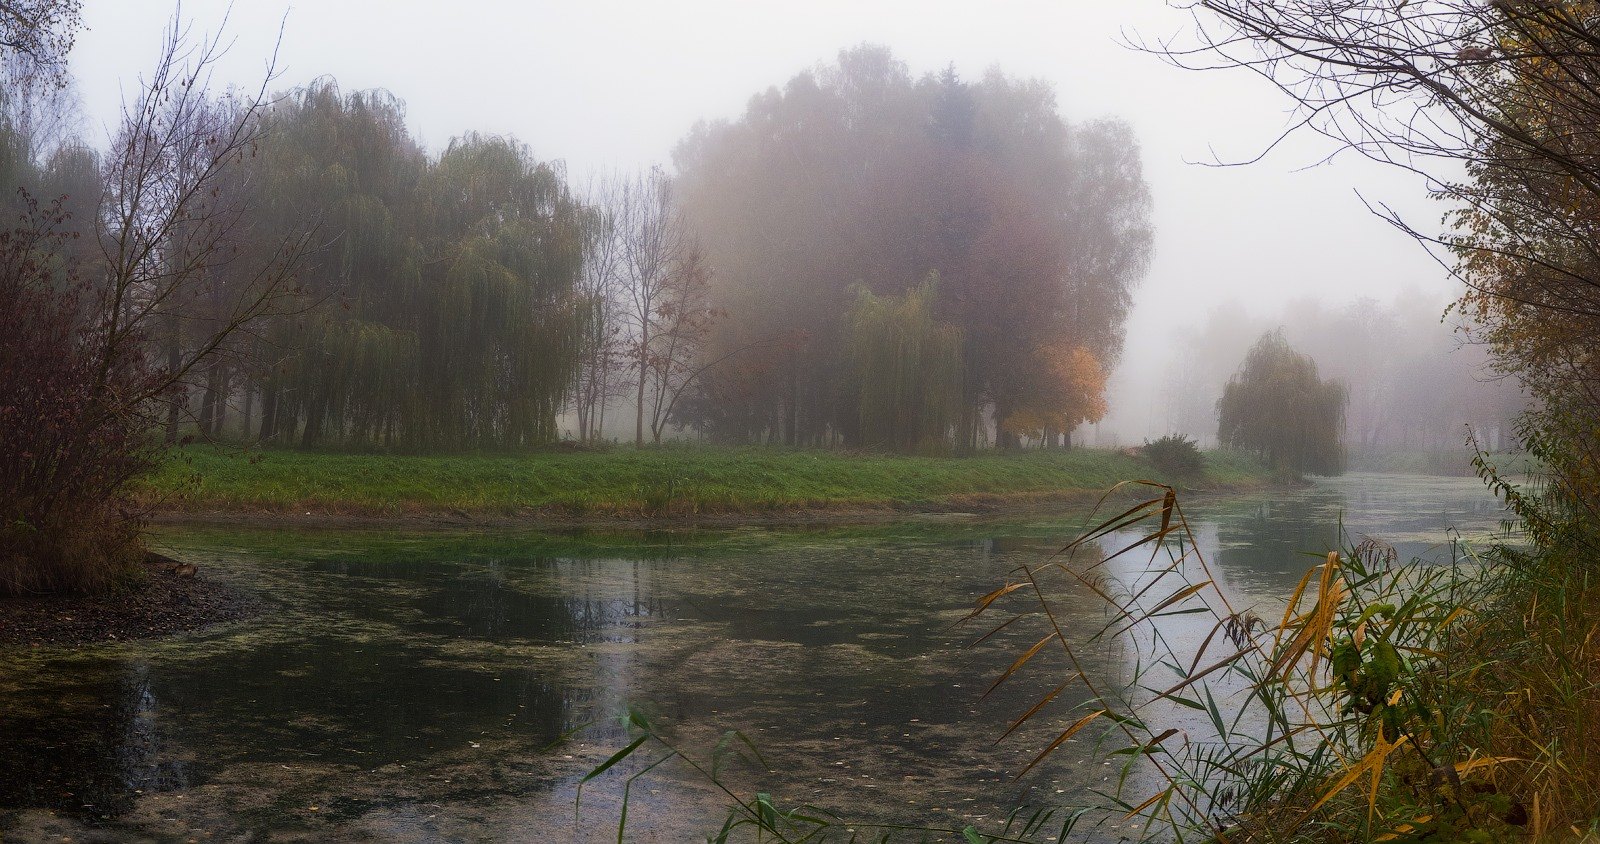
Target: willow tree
1277 407
446 314
904 371
501 335
348 163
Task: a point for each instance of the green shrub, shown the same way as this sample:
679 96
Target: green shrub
1175 455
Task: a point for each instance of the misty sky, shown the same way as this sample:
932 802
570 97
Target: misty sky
606 85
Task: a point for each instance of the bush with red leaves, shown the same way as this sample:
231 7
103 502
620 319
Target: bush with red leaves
69 443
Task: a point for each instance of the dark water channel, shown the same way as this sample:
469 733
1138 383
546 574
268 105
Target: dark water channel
417 687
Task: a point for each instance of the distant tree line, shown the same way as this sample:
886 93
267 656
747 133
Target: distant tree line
1415 382
864 258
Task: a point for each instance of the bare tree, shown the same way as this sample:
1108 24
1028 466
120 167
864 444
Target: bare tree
40 33
683 317
79 387
646 272
181 258
655 243
600 286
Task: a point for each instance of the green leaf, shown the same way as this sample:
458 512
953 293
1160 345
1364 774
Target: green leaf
615 758
1384 666
1346 659
1385 610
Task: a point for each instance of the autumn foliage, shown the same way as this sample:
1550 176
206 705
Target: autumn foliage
1070 390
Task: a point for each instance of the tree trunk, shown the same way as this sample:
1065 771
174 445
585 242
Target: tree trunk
208 405
269 413
178 401
313 430
601 398
644 360
208 401
224 390
580 405
174 410
1003 439
248 410
791 410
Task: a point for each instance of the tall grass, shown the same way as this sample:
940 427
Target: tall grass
1383 700
1389 700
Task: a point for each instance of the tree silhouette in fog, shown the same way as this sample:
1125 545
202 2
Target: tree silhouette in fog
1279 408
860 174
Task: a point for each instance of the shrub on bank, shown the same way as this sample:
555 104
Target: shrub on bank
71 447
1175 455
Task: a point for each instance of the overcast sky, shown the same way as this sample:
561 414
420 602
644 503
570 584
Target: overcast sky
616 84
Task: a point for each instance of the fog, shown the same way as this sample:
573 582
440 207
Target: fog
416 415
607 86
1415 380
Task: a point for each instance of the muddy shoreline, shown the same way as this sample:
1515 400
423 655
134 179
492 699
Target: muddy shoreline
166 599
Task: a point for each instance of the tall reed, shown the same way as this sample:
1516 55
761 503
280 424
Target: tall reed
1384 700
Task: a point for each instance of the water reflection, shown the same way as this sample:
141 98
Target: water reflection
86 747
417 682
1267 544
1255 553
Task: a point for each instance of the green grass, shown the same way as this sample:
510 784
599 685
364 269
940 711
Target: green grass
656 482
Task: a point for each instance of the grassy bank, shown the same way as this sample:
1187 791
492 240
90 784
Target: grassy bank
672 482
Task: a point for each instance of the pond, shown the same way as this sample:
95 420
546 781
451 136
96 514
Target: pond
457 687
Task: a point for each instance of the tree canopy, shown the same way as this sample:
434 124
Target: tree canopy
38 35
859 173
1277 407
445 312
777 288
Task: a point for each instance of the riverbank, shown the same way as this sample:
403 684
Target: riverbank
627 487
161 598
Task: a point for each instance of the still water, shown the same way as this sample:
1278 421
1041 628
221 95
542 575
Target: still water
457 687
